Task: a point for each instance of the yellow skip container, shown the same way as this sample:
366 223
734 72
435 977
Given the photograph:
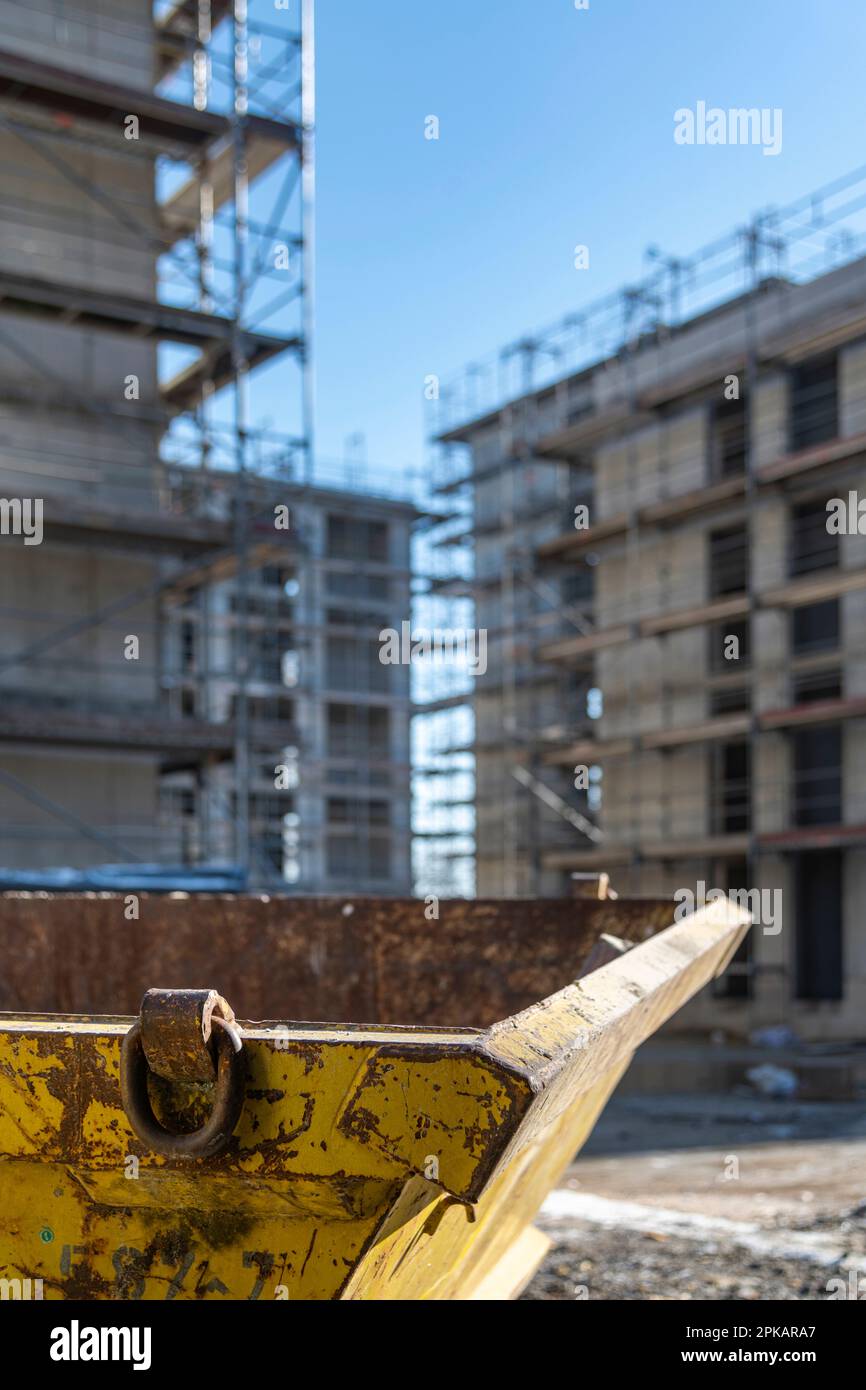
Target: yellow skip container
399 1159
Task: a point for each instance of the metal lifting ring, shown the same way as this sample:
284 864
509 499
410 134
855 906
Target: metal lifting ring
228 1096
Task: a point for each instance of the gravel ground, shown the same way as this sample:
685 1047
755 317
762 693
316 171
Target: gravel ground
637 1265
800 1178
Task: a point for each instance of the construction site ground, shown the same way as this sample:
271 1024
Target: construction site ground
711 1197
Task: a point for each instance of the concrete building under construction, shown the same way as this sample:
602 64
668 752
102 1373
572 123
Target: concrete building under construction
676 691
189 663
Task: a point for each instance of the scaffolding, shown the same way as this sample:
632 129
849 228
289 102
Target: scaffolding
600 376
481 572
443 784
227 239
158 218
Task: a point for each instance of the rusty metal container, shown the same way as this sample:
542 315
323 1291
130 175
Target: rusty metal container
399 1150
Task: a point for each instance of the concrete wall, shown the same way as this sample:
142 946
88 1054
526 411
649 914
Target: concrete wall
57 442
111 38
112 794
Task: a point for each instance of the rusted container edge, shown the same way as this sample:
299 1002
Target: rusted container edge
348 960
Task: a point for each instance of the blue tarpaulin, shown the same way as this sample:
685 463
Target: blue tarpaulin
132 878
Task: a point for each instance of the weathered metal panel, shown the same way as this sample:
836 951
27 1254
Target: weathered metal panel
346 960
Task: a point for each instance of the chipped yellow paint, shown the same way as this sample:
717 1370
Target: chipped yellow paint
409 1113
367 1164
51 1228
28 1110
432 1247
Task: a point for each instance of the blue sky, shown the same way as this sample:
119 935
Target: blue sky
556 127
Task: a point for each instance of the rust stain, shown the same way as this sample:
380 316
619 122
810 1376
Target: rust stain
381 963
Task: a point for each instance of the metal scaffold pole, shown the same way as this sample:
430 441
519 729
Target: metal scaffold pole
308 195
240 74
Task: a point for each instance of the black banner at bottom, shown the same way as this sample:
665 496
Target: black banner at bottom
252 1339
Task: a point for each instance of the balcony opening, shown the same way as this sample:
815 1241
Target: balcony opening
815 628
730 699
810 687
818 880
728 561
817 772
358 732
737 981
810 545
352 538
577 587
728 440
731 800
814 413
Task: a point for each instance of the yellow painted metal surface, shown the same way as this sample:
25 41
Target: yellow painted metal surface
367 1164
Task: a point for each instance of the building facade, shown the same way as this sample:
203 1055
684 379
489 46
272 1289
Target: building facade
720 648
182 681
